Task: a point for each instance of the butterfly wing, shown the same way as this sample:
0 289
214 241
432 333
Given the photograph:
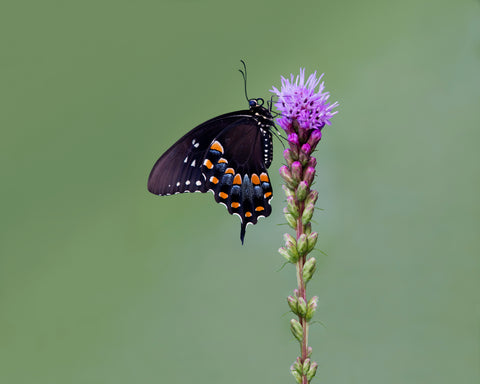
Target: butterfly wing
178 170
235 170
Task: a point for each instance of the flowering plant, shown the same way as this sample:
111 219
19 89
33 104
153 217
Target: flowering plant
304 113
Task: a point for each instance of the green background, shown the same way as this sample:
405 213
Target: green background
102 282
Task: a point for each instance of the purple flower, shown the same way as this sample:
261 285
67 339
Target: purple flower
304 113
297 100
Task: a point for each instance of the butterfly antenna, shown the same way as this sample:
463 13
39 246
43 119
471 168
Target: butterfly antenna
244 74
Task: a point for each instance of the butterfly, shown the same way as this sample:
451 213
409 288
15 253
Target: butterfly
228 155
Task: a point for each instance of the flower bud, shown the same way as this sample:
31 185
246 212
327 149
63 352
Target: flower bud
302 244
311 241
293 304
312 162
297 366
296 329
293 139
308 213
287 154
314 138
289 238
308 175
311 308
298 376
301 192
302 307
312 371
306 148
288 191
286 175
303 157
309 351
292 252
297 171
287 255
307 228
312 197
292 206
309 269
306 365
292 221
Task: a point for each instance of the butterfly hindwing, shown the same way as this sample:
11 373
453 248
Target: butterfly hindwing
235 170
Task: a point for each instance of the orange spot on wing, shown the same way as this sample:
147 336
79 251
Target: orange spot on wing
267 194
255 179
264 177
217 146
208 164
258 209
248 214
230 170
235 205
223 195
222 160
213 180
237 179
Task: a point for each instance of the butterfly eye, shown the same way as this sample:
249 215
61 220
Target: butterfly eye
252 103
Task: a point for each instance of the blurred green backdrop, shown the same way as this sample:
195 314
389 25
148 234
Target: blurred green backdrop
101 282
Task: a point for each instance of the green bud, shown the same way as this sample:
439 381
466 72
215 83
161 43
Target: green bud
292 206
296 329
293 304
311 307
308 213
291 246
312 371
289 238
312 197
302 307
309 269
288 191
309 351
287 255
302 190
298 376
311 241
291 220
307 228
298 366
302 244
306 365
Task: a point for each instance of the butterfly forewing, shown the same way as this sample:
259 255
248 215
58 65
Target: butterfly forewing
178 170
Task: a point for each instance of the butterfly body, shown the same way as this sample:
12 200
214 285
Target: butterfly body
228 155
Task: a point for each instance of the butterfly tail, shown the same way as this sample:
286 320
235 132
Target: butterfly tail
242 231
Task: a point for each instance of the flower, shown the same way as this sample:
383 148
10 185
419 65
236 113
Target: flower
304 112
298 101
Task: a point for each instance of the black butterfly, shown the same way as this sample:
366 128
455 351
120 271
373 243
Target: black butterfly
228 155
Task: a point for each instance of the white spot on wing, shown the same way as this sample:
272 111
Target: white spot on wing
193 163
178 184
187 182
186 159
198 182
